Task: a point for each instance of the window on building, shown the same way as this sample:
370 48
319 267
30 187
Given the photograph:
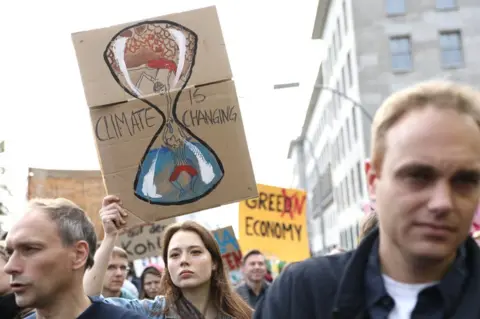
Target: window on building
354 236
335 48
347 189
339 198
349 239
329 152
339 28
342 143
451 49
335 197
334 107
344 80
324 70
359 178
341 203
446 4
323 122
318 225
345 16
339 150
354 188
338 97
401 51
312 180
347 132
354 124
349 70
331 59
395 7
334 154
328 112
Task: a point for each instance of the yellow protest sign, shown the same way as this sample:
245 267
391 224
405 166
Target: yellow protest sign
275 223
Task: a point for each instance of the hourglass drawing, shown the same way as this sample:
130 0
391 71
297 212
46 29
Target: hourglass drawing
157 58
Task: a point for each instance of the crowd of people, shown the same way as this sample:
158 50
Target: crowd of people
54 268
415 258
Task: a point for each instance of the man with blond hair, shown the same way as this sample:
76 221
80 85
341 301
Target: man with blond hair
49 249
116 275
420 262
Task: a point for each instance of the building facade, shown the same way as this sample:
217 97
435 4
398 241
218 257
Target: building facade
374 47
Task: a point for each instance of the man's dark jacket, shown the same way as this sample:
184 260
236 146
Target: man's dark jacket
333 287
8 307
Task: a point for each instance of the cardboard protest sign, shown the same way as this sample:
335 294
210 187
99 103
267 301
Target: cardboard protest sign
229 248
275 223
145 240
165 114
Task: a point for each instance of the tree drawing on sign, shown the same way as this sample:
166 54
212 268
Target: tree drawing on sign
157 58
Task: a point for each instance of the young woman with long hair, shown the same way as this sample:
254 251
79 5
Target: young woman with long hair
194 284
150 280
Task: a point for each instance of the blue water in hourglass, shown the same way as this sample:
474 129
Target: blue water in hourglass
176 191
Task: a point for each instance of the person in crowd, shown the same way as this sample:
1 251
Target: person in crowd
420 262
268 276
194 283
132 277
254 269
150 281
8 307
130 289
116 275
49 249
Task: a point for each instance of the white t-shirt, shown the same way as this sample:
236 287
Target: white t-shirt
404 295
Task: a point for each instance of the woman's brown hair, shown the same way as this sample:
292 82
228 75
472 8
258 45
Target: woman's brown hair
369 222
224 298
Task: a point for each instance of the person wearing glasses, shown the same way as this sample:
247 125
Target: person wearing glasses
116 275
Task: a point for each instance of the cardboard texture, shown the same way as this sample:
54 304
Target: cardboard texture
229 248
165 114
145 240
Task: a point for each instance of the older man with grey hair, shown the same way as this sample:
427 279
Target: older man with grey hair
49 249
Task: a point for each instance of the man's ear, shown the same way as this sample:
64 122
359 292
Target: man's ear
79 255
371 175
